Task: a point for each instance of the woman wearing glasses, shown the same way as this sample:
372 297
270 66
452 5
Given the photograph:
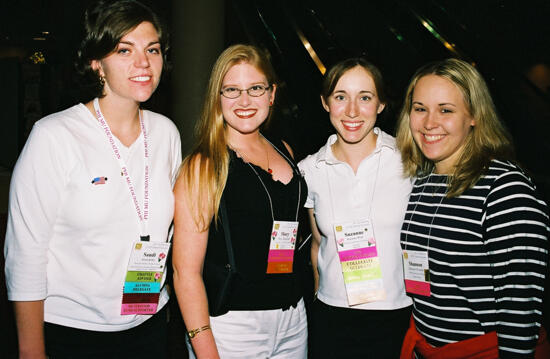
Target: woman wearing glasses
252 184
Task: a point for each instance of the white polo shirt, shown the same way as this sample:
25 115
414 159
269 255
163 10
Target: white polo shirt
337 194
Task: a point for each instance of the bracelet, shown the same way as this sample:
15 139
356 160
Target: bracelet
194 332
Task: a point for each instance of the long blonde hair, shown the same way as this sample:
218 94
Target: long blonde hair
209 159
487 140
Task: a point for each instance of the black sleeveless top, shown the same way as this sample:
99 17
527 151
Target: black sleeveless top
250 223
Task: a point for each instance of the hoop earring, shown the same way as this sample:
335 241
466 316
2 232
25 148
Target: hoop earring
102 80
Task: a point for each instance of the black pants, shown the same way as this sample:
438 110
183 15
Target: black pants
354 333
148 340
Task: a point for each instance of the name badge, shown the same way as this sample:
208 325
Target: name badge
281 247
417 272
360 263
144 275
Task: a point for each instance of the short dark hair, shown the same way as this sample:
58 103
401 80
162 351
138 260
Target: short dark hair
105 24
338 70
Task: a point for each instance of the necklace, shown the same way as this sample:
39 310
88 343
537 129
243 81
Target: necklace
294 169
269 170
246 158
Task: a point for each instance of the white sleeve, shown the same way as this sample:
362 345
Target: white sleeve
305 167
176 156
35 191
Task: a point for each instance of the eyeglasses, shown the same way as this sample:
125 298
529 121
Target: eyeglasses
254 91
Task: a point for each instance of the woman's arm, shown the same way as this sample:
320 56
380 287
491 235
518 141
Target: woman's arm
36 187
316 241
189 252
29 317
516 234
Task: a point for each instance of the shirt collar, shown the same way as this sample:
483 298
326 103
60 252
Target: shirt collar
325 153
384 140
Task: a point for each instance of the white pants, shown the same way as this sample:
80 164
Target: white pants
260 334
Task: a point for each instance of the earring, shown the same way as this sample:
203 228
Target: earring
270 103
101 80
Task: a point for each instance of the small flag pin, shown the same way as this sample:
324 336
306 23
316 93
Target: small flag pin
99 180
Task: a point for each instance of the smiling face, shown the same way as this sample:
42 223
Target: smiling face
353 107
245 114
132 71
440 121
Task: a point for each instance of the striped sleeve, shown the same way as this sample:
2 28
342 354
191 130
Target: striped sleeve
516 235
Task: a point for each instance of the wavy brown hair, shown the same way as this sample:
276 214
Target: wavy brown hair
105 24
487 140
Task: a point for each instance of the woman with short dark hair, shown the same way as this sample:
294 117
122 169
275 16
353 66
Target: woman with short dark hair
105 23
91 203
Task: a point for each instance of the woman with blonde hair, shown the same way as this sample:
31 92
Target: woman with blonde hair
237 202
475 233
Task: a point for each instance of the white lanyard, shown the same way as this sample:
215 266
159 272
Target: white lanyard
424 185
371 204
142 216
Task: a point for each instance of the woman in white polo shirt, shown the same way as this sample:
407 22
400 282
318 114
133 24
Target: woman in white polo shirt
357 199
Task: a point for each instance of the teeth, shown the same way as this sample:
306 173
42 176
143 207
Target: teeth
141 78
245 113
433 137
353 124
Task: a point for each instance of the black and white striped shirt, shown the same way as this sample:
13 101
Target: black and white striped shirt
487 250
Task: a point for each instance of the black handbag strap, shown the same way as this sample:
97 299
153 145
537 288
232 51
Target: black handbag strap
227 235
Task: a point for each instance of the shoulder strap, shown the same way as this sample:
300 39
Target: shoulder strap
227 235
286 155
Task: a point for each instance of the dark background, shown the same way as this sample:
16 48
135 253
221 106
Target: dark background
507 40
